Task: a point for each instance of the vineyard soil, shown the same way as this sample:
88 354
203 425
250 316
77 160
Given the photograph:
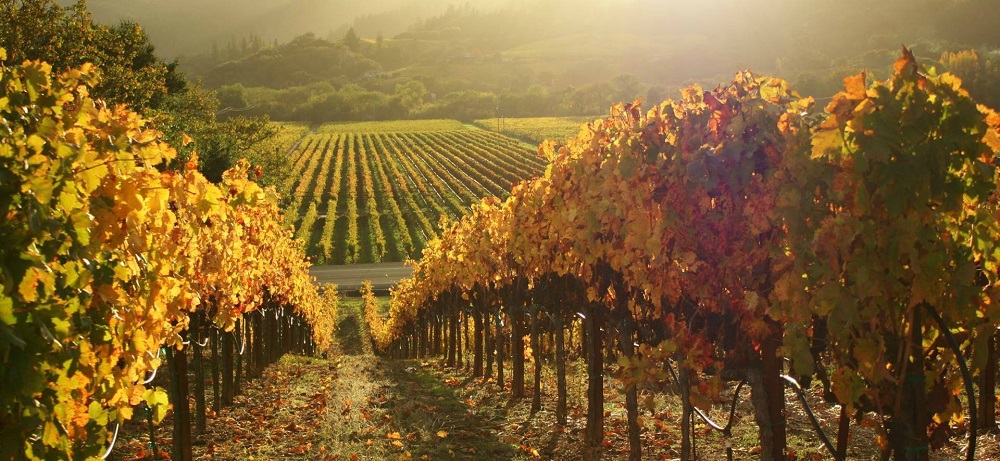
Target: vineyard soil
360 406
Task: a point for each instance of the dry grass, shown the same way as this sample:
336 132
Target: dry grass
536 129
390 126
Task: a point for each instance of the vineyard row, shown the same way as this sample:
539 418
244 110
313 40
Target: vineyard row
374 197
742 237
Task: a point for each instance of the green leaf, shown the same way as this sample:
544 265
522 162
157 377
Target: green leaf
7 310
862 198
795 347
157 400
626 166
895 204
98 413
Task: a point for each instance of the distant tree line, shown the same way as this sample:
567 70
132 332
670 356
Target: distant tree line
316 80
434 70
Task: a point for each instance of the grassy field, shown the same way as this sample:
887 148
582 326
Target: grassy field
362 196
536 129
391 126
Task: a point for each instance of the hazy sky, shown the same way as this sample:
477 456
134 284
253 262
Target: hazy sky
754 33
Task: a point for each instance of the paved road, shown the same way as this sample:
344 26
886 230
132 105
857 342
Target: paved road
349 277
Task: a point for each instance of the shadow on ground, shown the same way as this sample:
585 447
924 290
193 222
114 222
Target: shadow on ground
421 405
349 337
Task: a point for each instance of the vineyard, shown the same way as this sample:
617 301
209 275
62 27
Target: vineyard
741 239
365 192
761 268
753 274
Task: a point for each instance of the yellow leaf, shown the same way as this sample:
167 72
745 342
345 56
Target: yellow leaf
394 435
397 444
36 143
50 435
442 434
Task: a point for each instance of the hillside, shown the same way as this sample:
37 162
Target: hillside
188 27
301 60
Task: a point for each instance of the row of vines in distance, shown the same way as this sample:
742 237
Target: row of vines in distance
362 197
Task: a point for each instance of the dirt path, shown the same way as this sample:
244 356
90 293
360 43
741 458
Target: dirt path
357 406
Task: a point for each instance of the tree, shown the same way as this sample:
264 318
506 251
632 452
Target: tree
351 40
467 105
132 74
232 97
627 87
68 37
411 95
219 144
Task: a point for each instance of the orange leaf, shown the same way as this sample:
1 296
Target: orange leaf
854 85
906 62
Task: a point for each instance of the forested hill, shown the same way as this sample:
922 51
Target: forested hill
187 27
746 28
328 60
